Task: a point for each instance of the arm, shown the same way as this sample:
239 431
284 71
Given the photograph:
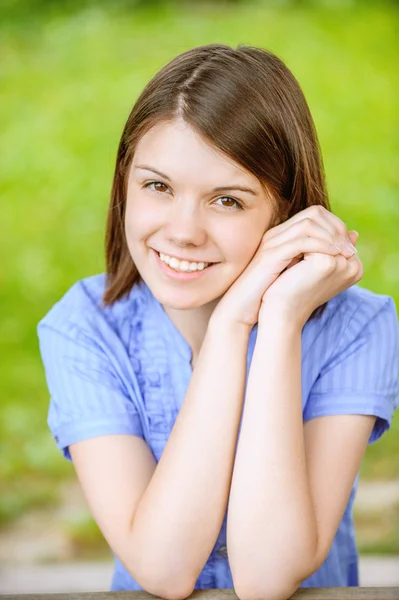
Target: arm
163 521
289 490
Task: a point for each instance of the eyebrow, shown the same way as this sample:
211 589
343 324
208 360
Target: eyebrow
222 188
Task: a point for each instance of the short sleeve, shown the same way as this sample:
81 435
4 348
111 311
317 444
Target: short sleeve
87 397
361 375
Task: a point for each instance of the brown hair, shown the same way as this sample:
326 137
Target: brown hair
245 102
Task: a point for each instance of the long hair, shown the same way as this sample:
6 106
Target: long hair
246 103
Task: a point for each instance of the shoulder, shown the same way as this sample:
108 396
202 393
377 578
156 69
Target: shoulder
357 302
83 298
82 307
93 388
356 299
353 359
355 312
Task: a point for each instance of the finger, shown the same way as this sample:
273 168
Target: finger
352 268
289 253
318 213
353 236
311 228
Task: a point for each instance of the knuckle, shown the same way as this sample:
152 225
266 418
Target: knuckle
306 225
353 268
317 210
329 263
341 261
340 226
342 231
356 270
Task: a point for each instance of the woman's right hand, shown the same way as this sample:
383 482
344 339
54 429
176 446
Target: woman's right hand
314 229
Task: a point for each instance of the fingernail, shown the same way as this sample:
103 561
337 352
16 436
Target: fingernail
349 247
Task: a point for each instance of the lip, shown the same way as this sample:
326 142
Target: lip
180 275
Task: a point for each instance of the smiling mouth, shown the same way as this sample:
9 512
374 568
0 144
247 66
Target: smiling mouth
183 266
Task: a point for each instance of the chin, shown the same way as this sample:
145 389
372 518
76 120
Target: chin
176 300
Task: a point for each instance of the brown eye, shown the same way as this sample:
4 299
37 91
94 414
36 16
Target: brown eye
156 183
229 203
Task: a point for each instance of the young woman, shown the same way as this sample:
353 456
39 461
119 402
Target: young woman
217 388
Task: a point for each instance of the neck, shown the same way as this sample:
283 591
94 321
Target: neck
192 324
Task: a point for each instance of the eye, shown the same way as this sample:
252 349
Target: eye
150 183
238 205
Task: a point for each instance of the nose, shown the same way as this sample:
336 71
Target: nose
184 225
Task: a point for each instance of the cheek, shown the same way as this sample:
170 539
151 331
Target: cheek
240 243
140 220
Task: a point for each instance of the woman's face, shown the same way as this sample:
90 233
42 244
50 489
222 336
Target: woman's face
174 208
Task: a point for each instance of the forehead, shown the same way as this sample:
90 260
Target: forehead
180 152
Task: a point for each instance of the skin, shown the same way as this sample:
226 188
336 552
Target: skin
184 218
281 468
248 286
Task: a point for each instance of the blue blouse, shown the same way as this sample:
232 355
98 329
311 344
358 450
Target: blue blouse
126 368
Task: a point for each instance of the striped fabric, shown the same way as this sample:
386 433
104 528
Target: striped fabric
126 369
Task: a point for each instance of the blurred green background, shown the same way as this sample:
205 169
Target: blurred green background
70 73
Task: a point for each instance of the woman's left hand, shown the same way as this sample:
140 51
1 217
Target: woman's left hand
308 284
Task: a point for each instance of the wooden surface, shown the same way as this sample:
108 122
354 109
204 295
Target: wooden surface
352 593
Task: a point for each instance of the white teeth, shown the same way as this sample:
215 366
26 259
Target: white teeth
164 258
174 263
182 265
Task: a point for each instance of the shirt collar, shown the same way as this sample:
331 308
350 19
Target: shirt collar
172 333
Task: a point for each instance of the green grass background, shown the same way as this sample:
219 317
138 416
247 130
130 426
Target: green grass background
68 79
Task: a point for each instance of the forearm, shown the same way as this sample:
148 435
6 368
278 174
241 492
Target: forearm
180 514
271 526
